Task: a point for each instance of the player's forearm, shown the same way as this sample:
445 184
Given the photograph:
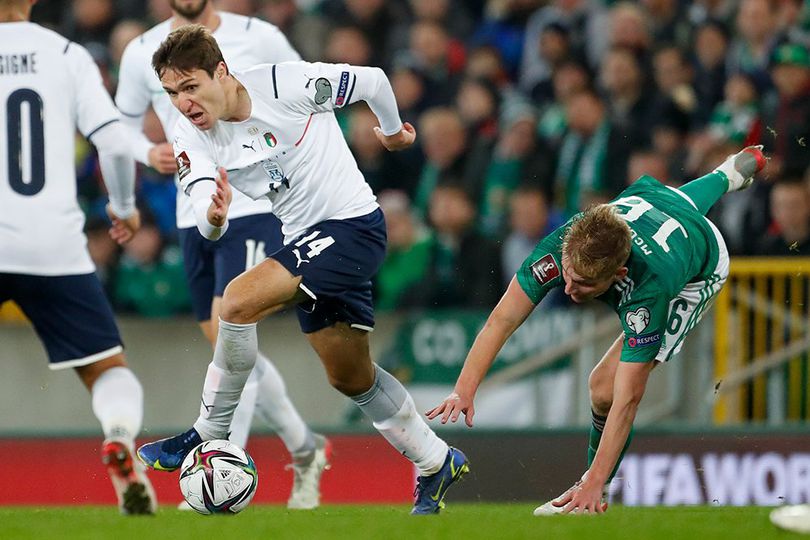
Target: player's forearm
200 194
629 384
617 428
508 315
117 167
483 353
374 88
119 177
139 144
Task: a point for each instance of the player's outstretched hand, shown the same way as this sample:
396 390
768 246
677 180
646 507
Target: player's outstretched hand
584 497
123 230
451 407
221 200
161 158
398 141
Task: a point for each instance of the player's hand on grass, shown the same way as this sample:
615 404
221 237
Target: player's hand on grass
452 406
221 200
123 229
398 141
161 158
584 498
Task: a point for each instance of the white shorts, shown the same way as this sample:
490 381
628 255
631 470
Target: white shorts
692 302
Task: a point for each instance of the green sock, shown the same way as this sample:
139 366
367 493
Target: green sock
595 436
706 190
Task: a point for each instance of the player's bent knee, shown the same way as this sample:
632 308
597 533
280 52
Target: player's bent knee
349 386
91 372
236 309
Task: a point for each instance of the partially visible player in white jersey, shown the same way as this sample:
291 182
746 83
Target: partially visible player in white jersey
49 88
272 130
210 266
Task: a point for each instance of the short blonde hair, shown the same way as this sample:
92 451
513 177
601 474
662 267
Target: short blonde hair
598 243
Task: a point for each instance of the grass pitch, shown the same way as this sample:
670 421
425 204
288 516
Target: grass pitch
459 521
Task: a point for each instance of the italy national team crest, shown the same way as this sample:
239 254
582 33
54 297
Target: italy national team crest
270 139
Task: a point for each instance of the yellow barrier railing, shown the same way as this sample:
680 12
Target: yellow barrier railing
762 308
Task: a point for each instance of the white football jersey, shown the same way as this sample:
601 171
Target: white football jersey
49 87
244 42
291 149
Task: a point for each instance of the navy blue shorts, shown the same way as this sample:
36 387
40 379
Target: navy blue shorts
71 315
210 266
336 260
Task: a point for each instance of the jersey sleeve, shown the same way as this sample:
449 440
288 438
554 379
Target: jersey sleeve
94 106
644 323
132 96
272 43
542 269
194 161
320 87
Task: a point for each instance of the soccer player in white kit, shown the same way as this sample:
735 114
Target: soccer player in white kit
49 87
272 130
210 266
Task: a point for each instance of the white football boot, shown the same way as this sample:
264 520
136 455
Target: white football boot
741 167
306 491
128 476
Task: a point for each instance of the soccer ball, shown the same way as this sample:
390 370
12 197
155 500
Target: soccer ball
218 477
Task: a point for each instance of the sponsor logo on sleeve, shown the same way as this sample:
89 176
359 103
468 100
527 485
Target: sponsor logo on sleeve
545 269
644 340
344 86
183 165
637 320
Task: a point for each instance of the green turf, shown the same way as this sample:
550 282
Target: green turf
461 521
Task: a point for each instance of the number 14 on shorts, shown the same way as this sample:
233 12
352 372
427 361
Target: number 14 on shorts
311 246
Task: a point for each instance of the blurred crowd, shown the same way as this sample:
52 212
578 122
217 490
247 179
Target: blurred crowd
526 112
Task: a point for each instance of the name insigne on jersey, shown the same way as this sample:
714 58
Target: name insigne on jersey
18 64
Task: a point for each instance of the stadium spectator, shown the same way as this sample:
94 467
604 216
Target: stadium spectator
448 157
306 31
568 80
408 255
787 118
464 266
530 219
628 94
438 57
789 235
629 28
755 39
586 21
382 170
668 21
651 163
592 164
709 49
518 158
348 44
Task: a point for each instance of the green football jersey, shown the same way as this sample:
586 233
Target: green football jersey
672 245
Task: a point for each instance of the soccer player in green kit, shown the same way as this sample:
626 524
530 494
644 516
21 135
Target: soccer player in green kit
653 257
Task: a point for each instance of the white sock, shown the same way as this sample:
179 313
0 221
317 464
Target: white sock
274 407
243 415
117 399
411 436
234 358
